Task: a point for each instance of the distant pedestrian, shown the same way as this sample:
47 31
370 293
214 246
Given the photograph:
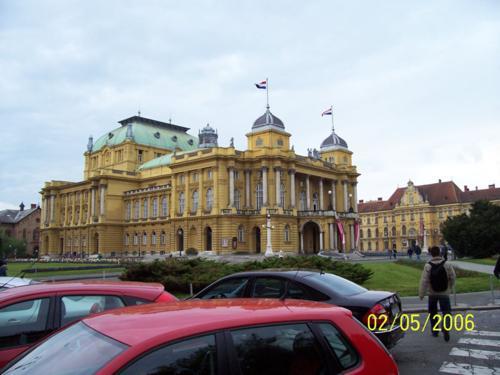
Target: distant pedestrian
389 252
394 253
444 252
496 271
418 251
3 267
438 278
410 252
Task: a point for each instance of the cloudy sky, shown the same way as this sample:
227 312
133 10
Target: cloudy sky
415 84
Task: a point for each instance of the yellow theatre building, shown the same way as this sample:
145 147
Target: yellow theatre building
151 188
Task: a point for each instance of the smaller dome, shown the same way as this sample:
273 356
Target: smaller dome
333 142
207 130
207 137
268 119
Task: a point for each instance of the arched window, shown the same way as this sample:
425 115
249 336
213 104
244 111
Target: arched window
376 233
361 233
303 201
259 196
153 238
164 206
369 233
210 199
181 203
136 239
369 245
127 238
144 238
403 230
393 231
155 207
315 202
412 217
241 234
145 208
194 201
282 195
136 209
237 199
163 238
287 233
386 232
128 211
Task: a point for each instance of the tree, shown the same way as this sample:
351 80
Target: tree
477 234
10 247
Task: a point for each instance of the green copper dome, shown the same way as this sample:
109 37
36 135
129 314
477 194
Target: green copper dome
148 132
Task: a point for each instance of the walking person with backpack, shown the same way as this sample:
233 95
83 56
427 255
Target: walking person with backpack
438 278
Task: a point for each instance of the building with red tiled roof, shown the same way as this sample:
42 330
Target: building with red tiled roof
414 214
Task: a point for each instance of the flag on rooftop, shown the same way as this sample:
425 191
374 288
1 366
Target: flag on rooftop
327 112
262 84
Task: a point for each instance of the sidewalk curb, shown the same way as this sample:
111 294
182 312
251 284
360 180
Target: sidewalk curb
461 308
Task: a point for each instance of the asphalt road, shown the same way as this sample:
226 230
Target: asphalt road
466 353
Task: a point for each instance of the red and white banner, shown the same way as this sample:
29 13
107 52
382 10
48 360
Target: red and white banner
340 227
356 233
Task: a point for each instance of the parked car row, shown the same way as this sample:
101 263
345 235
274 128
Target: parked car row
266 322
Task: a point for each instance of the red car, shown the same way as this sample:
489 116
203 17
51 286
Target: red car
209 337
29 313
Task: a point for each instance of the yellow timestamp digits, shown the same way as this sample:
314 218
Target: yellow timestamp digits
412 322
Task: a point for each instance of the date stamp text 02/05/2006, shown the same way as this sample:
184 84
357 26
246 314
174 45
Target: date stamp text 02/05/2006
411 322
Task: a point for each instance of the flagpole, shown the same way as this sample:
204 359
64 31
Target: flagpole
267 92
333 128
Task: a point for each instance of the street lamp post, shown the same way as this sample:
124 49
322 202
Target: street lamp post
330 205
179 234
269 227
351 210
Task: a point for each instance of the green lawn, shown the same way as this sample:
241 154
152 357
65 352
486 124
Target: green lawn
15 268
405 279
486 261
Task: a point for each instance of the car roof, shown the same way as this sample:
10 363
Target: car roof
134 289
277 271
7 281
152 324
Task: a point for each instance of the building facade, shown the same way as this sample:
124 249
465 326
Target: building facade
415 214
150 188
23 225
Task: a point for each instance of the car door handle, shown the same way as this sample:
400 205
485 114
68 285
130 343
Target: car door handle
13 321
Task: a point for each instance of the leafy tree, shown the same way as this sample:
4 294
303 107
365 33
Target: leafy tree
477 234
9 246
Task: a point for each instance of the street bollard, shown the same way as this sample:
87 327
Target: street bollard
492 291
191 289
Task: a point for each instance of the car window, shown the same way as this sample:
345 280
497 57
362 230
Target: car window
278 350
231 288
76 307
192 356
267 287
300 291
336 284
23 323
77 350
344 351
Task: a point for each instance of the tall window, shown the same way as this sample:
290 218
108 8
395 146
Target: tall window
386 232
376 233
241 234
181 203
412 217
144 238
163 238
194 206
137 207
361 233
209 174
403 230
155 207
393 231
369 233
303 201
237 199
315 202
145 208
153 238
282 195
210 198
126 239
140 156
136 239
164 206
128 211
259 195
287 233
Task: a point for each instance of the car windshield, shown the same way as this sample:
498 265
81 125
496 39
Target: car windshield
337 284
77 350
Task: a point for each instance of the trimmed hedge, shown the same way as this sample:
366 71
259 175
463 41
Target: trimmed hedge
176 273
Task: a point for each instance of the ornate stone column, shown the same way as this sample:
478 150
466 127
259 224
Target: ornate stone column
247 188
330 234
321 234
231 186
102 196
264 187
334 195
277 178
52 207
321 206
346 196
291 172
308 194
355 196
201 195
92 203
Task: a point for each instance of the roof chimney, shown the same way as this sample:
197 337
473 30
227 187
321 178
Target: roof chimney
361 201
492 186
466 188
476 187
33 205
21 206
439 180
379 198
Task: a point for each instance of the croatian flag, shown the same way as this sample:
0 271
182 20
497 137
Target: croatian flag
327 112
262 84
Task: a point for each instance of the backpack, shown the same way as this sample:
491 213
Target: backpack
439 277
